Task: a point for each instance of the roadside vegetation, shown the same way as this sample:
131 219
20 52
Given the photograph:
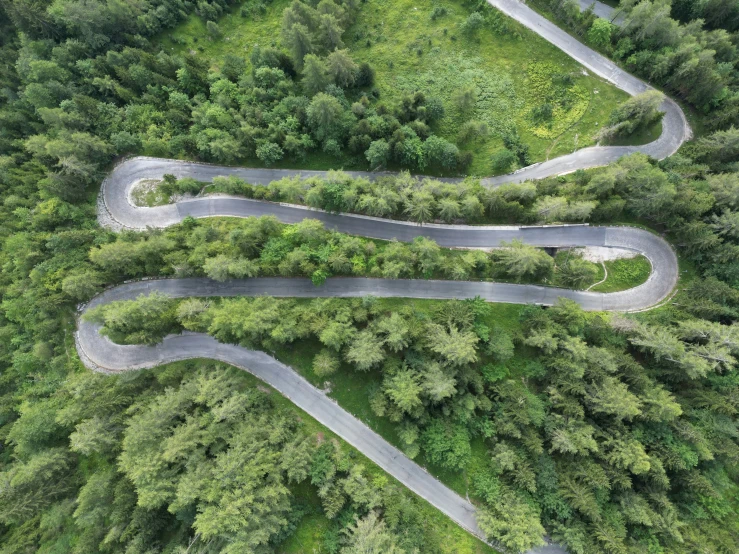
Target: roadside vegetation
634 188
611 433
276 472
502 88
624 274
685 47
246 248
448 376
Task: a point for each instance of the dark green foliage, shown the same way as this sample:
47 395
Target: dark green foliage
503 160
613 434
261 247
717 14
143 321
690 56
608 404
637 112
167 454
513 142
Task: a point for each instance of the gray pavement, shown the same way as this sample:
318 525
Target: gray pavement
100 354
675 127
115 358
662 280
602 10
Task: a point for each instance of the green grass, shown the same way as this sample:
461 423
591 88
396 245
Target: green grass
148 193
642 135
512 69
308 537
696 119
503 66
238 34
624 274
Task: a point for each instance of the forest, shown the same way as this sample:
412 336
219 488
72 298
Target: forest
613 433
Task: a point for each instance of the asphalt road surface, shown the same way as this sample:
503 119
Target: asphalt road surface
601 10
100 354
117 201
675 127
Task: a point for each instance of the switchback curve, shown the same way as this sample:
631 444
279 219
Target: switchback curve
117 201
100 354
675 127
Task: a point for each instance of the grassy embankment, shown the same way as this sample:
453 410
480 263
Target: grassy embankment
625 274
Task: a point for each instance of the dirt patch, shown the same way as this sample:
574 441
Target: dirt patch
598 254
141 193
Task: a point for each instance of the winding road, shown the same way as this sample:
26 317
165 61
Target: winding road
117 210
675 127
116 198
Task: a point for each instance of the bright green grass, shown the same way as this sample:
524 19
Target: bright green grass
624 274
502 66
511 70
308 537
238 34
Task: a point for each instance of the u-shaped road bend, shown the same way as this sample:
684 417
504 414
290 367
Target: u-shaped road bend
98 353
675 127
117 201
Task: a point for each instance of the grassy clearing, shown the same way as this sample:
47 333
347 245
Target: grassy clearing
512 69
239 34
696 119
147 193
625 274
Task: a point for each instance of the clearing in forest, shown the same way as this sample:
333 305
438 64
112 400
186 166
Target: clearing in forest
500 74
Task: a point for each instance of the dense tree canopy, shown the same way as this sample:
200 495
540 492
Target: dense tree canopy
684 46
611 433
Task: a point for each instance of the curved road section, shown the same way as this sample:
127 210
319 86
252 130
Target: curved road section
116 197
675 127
100 354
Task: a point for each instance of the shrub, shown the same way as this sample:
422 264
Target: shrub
378 153
213 30
437 12
503 160
269 152
473 23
